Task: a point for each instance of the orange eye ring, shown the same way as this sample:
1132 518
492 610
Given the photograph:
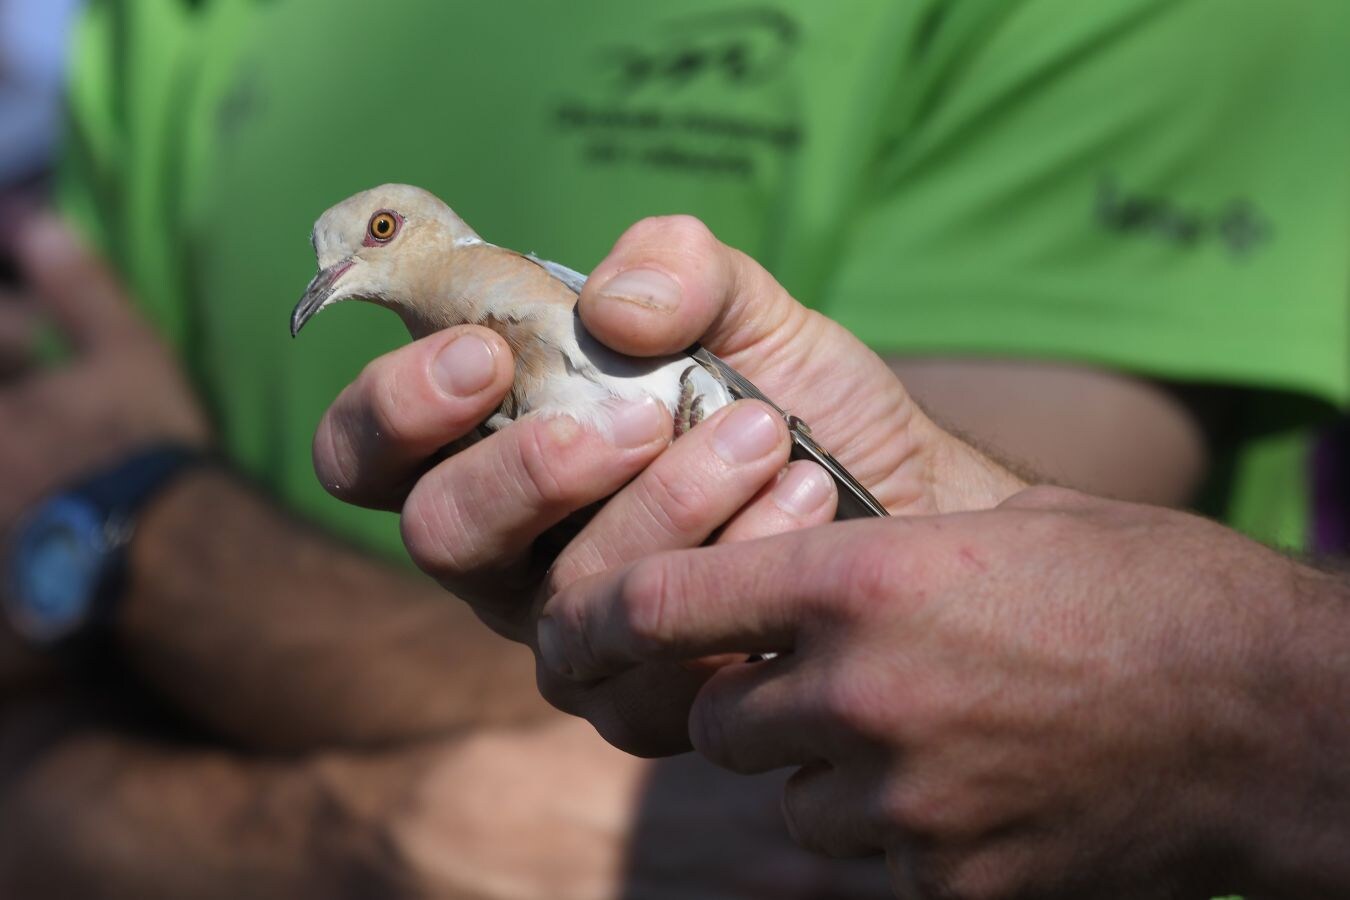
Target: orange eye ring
382 227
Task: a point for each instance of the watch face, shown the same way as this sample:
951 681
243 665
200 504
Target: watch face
55 568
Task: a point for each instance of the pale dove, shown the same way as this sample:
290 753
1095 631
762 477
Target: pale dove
403 248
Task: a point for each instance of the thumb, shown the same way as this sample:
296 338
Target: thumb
669 282
74 285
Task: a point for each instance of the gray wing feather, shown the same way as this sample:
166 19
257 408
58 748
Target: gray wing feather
855 501
570 277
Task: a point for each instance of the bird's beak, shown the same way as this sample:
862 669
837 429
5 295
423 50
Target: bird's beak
317 294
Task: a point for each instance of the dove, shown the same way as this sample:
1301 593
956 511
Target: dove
403 248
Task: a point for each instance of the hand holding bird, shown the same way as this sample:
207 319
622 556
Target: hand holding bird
401 247
473 520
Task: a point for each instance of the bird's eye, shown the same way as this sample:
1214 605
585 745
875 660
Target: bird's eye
383 226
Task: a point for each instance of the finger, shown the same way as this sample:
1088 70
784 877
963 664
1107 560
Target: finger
753 717
404 407
669 282
802 496
684 495
643 711
477 513
742 597
84 295
825 812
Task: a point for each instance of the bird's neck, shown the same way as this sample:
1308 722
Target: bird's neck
424 319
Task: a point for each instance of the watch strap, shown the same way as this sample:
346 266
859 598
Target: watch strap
121 491
117 495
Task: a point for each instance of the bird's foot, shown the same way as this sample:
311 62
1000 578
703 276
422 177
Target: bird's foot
689 410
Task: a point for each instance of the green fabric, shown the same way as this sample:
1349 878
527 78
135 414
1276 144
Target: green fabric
1159 187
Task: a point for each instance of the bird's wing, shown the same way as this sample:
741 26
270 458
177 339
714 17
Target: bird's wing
715 390
570 277
855 501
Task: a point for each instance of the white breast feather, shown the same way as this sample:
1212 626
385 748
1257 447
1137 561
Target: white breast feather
596 374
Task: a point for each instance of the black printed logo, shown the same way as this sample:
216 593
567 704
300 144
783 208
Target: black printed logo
1238 225
737 47
683 96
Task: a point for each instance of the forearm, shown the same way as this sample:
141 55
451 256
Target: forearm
93 806
1093 430
282 638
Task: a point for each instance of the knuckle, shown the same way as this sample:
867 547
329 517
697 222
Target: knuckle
679 232
689 231
916 809
871 572
432 535
643 603
849 703
678 504
542 467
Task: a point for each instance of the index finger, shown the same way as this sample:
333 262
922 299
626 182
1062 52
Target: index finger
749 597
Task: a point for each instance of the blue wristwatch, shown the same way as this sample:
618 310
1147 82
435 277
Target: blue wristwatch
67 558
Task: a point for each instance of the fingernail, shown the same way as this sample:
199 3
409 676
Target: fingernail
550 647
746 434
636 423
802 490
465 366
646 288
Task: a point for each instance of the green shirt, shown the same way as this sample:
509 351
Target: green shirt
1156 187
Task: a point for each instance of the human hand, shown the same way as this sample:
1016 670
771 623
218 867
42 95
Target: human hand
120 390
1059 697
474 521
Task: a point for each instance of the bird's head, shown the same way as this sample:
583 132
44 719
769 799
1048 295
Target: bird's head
371 247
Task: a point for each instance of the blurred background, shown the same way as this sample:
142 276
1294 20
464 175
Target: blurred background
33 42
1108 242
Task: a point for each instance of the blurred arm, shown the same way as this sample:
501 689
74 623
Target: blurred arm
283 638
95 805
1101 432
93 808
250 621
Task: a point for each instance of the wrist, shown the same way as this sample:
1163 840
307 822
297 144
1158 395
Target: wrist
963 478
65 565
162 556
